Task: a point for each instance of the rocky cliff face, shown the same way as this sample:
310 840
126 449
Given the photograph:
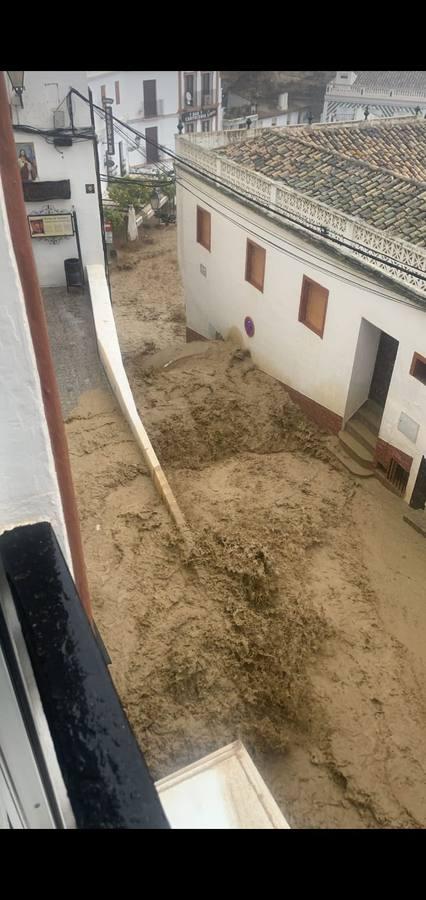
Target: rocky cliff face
263 88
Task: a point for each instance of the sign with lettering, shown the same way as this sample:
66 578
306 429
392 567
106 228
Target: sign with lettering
109 125
51 225
195 115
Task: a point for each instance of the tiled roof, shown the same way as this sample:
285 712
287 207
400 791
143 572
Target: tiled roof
400 82
373 172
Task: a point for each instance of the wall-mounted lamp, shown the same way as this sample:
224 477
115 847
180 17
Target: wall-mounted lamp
17 82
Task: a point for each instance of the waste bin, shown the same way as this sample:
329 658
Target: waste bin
73 273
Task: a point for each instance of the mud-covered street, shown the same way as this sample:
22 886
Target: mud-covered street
298 623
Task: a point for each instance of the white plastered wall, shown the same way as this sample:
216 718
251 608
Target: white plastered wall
44 92
321 369
28 485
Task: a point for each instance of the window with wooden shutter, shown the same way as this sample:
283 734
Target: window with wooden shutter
418 367
117 91
255 265
150 98
203 227
313 306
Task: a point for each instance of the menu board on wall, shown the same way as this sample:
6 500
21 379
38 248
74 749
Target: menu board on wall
51 225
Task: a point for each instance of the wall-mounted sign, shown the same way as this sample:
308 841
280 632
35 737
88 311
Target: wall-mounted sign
108 233
109 125
249 326
90 188
46 190
51 225
195 114
409 427
27 162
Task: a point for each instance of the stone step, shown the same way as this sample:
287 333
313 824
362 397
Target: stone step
356 450
371 415
350 463
362 433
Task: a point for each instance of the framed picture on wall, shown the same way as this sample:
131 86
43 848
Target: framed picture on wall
27 162
36 226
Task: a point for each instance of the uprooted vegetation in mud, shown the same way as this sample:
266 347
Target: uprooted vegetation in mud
204 408
236 664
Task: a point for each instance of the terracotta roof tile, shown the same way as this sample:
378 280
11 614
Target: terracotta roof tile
375 172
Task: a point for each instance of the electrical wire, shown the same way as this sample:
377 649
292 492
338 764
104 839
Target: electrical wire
315 229
362 278
326 271
318 230
48 133
137 180
132 143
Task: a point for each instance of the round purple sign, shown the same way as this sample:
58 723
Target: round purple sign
249 326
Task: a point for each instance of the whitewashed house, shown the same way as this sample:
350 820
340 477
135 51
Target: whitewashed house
384 93
153 103
309 242
56 150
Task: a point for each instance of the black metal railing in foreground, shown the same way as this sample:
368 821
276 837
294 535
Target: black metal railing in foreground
104 772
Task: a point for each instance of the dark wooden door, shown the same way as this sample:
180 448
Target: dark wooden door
151 135
385 361
418 497
149 98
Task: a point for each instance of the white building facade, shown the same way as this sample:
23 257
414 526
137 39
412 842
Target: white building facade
384 93
55 144
29 489
153 103
248 273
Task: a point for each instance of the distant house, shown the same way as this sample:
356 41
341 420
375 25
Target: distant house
153 103
309 242
384 93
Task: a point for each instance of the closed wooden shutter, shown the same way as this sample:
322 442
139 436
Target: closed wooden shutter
203 227
151 144
150 98
255 265
313 306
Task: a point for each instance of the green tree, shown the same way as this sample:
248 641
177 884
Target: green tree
125 195
136 194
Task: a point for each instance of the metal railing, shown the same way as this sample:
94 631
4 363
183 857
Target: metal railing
348 90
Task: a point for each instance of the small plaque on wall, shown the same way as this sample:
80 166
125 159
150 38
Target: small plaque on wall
409 427
47 190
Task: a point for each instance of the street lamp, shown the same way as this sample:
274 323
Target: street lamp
17 82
